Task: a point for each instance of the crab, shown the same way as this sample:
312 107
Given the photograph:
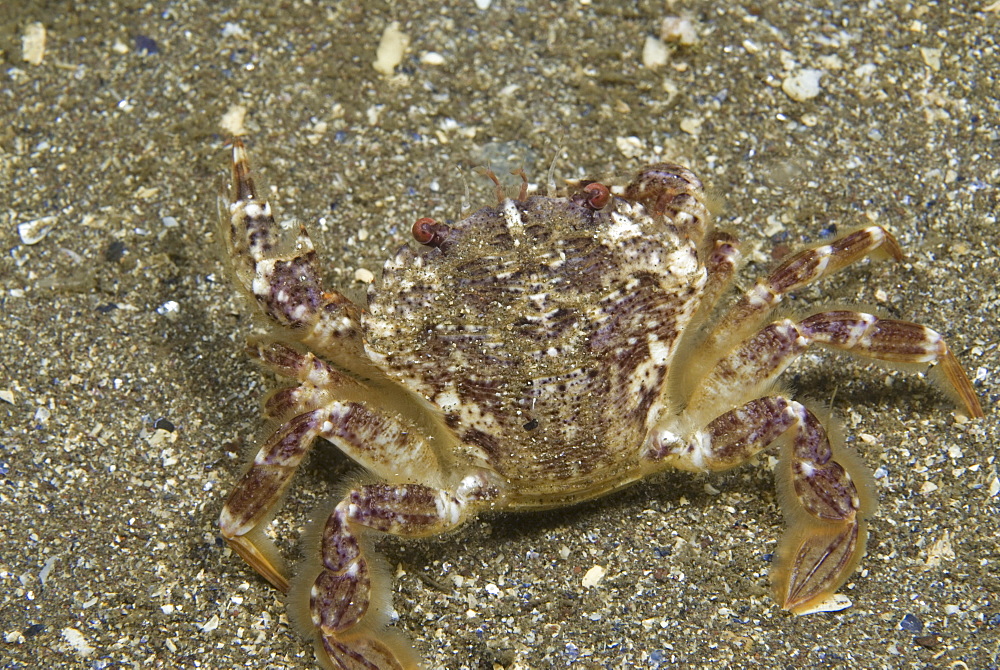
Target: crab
540 353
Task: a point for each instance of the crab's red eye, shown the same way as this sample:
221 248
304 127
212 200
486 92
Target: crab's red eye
598 195
429 232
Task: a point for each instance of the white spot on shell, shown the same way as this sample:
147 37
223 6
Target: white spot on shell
448 399
512 217
622 227
658 351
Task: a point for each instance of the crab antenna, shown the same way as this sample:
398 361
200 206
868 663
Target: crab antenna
466 203
551 179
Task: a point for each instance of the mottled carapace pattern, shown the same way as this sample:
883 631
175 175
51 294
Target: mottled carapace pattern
523 318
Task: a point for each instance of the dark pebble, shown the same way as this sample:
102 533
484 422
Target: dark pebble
114 251
164 424
34 629
146 45
911 623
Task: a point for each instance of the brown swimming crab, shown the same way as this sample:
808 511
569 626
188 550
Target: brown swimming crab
539 353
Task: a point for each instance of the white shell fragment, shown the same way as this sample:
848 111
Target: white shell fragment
679 30
631 146
802 85
932 57
391 49
431 58
654 52
835 603
33 232
33 43
232 120
76 640
594 576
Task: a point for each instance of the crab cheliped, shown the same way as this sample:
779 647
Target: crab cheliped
539 353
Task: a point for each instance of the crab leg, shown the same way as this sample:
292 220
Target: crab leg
350 635
260 489
825 490
280 269
765 355
802 268
375 439
722 255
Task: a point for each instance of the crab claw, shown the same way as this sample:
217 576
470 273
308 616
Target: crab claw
812 565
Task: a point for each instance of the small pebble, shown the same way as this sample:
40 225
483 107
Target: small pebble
34 629
679 30
631 147
146 46
77 641
232 120
164 424
114 251
432 58
170 308
911 624
932 57
691 125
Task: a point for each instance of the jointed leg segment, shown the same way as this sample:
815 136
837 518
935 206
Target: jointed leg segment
279 267
343 592
799 270
826 497
764 356
824 491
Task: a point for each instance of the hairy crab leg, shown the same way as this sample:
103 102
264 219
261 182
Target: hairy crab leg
826 491
280 269
259 490
766 354
373 439
800 269
319 383
342 595
722 256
